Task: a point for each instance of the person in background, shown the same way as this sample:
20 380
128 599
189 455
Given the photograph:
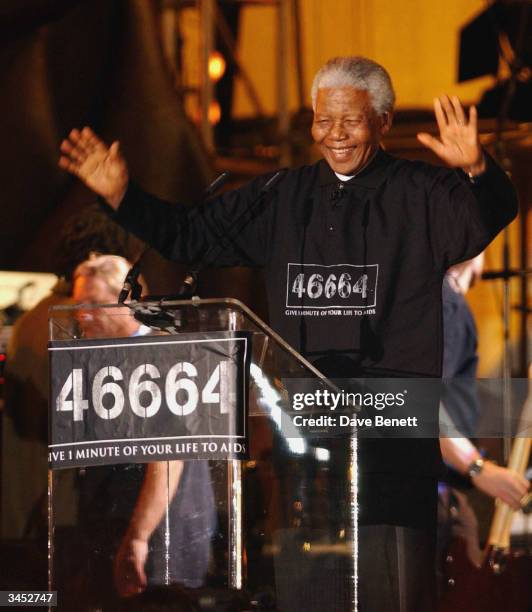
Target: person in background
460 411
460 360
122 506
25 420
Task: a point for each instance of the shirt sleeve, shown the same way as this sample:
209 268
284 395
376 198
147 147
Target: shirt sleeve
451 336
230 230
466 216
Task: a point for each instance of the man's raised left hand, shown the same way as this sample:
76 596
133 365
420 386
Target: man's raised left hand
458 145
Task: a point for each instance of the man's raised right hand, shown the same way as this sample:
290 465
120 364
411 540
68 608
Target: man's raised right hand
101 168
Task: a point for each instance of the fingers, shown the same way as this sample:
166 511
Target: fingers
431 143
91 142
114 150
74 135
458 111
86 141
523 485
517 488
142 581
79 145
473 117
508 495
130 579
515 505
72 151
449 112
81 142
73 148
87 134
440 115
71 158
447 109
66 164
454 114
517 484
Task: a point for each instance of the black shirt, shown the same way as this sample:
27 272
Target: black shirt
353 269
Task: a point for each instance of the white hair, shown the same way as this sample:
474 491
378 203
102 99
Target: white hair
359 73
112 269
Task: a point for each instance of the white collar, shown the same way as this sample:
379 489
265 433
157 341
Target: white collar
348 177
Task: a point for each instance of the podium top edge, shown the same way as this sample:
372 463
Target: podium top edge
195 301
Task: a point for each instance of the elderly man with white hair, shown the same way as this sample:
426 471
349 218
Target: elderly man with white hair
354 249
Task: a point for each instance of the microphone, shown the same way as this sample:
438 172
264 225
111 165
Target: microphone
237 223
191 278
269 184
218 182
337 194
189 284
131 284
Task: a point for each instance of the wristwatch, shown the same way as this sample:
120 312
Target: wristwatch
475 467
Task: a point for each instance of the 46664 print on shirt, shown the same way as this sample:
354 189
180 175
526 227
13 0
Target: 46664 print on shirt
338 289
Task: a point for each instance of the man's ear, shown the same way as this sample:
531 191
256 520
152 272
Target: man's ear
386 122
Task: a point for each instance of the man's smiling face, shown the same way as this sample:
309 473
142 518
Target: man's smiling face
346 128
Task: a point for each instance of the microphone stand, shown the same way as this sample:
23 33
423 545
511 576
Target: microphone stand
131 283
159 315
188 288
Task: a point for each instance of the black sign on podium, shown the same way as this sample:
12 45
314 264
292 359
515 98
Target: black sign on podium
149 398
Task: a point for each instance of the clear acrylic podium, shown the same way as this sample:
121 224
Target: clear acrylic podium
274 531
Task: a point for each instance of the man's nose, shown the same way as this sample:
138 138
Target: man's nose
338 131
